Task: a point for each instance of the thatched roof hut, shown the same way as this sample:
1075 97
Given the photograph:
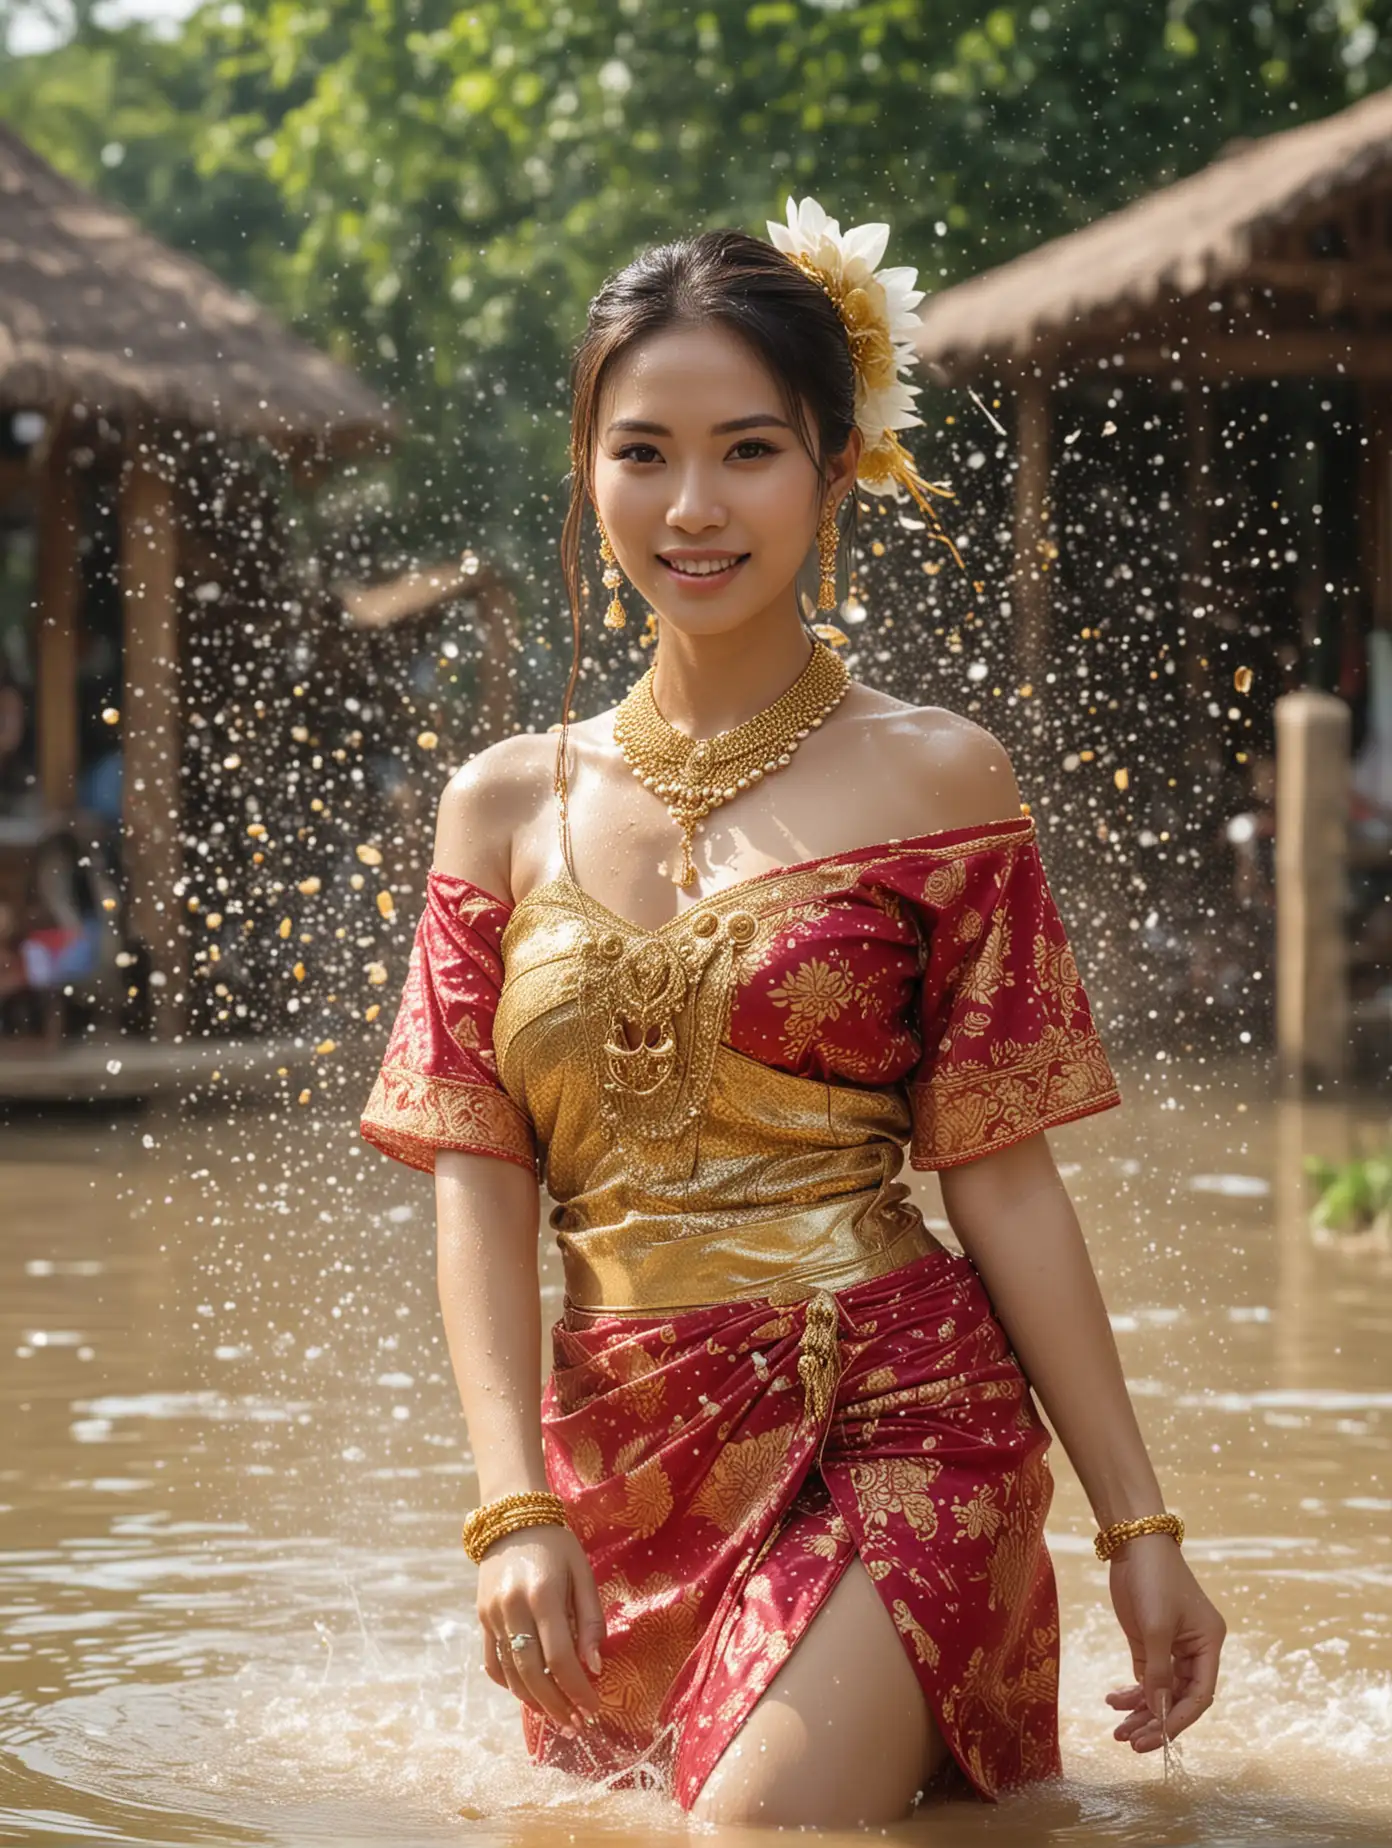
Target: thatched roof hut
94 309
144 366
1274 262
1236 223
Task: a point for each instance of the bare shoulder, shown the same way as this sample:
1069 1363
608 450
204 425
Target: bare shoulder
486 803
949 766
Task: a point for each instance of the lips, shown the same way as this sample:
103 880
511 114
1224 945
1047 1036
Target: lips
728 568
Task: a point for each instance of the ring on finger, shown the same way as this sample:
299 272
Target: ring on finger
519 1640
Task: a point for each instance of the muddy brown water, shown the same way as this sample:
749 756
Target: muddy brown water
233 1607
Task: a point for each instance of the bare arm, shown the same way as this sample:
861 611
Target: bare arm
1015 1221
537 1581
487 1213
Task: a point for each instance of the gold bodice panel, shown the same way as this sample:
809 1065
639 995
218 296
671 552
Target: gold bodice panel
687 1171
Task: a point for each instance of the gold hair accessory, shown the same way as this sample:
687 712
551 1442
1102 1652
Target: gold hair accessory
696 775
876 310
614 617
1111 1539
508 1515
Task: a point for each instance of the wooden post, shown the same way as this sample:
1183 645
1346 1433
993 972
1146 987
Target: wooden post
58 596
497 621
1375 499
1198 491
152 734
1312 794
1030 594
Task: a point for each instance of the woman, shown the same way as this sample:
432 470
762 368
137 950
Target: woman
772 1538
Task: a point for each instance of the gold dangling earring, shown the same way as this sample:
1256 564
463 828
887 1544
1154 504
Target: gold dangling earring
828 539
614 616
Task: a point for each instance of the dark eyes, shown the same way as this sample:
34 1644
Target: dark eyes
644 452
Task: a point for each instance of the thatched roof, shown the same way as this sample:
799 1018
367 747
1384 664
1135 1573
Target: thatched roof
95 310
1197 234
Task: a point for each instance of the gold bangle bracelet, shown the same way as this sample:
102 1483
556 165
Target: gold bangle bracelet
1111 1539
508 1515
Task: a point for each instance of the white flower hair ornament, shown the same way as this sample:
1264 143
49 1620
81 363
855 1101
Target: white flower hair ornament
876 310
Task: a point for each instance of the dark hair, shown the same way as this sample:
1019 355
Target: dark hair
727 279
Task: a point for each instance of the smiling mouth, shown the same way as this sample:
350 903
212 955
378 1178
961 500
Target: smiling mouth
698 569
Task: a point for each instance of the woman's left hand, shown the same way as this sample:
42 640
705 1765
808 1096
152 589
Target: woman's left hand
1176 1637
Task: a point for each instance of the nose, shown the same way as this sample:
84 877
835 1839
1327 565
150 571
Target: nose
694 508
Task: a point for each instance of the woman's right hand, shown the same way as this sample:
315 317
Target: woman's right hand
538 1581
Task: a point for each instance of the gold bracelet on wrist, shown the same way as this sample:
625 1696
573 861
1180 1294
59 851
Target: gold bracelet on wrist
1111 1539
507 1515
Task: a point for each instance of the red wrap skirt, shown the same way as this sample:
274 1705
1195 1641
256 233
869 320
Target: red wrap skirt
723 1465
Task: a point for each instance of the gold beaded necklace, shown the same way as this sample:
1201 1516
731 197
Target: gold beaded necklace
696 775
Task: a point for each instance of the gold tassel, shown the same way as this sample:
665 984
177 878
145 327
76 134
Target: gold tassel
819 1361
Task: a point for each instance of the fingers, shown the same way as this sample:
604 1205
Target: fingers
562 1664
492 1661
589 1617
512 1678
1158 1678
1192 1695
529 1664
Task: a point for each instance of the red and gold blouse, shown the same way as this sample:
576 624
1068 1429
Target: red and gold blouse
720 1106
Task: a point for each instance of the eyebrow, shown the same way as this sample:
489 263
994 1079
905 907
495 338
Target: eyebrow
758 420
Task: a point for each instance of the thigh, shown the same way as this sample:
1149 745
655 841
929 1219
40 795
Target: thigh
842 1737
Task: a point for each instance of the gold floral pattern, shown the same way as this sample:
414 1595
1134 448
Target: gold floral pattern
894 1485
1014 1048
924 1648
929 980
918 994
438 1087
743 1478
647 1499
978 1516
587 1459
813 992
410 1115
703 1611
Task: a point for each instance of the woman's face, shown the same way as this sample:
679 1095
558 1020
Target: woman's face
697 466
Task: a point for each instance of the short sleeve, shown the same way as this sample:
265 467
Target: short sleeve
439 1087
1008 1041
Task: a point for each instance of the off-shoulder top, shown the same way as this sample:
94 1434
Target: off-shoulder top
729 1096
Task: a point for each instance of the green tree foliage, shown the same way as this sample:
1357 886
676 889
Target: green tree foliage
433 192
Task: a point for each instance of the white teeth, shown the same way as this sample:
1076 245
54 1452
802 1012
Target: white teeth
704 568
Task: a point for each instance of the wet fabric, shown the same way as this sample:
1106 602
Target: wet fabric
720 1109
687 1452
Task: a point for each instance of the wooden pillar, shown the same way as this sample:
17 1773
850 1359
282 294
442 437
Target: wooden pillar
58 588
1312 795
1030 594
151 734
497 621
1198 564
1375 499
